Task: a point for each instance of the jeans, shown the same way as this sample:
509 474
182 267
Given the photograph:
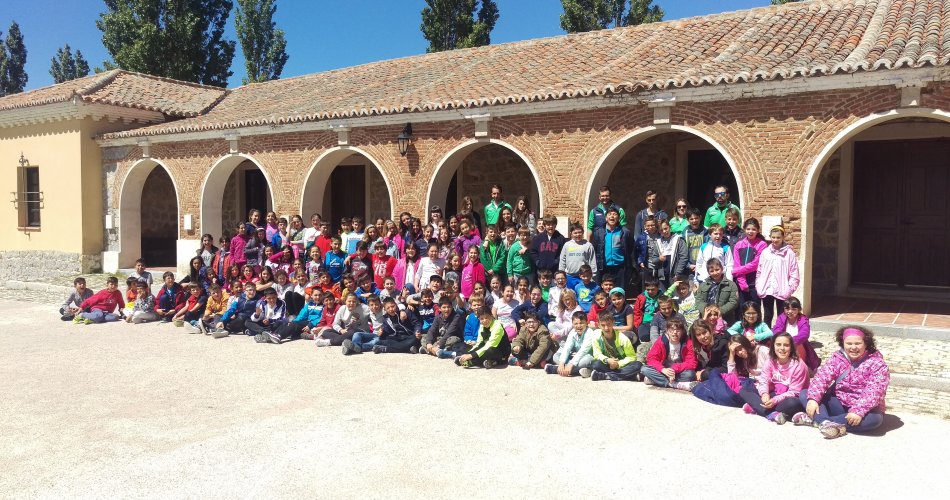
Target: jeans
99 316
396 344
830 408
660 379
365 340
789 406
628 372
751 295
585 362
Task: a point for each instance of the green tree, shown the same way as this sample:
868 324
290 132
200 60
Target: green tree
13 79
264 45
66 66
180 39
453 24
590 15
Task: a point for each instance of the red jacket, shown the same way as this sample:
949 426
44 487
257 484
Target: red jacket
382 268
180 297
104 301
658 358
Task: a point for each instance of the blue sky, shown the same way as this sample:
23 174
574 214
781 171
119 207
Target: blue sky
321 34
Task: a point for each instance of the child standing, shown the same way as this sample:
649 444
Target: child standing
493 253
695 235
141 273
745 259
473 272
777 278
577 253
519 263
717 249
586 287
335 260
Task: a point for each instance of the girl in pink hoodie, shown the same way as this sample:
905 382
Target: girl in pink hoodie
745 260
777 388
777 277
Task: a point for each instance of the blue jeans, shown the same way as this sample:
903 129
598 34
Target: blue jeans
660 380
830 408
365 340
98 316
626 373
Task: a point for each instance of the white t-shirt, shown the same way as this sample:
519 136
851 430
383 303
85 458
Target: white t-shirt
427 268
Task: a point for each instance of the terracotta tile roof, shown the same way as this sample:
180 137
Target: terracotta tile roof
799 39
127 89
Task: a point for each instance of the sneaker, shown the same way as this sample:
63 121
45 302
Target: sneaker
347 347
832 430
247 332
777 417
87 322
648 381
748 409
489 363
77 320
356 349
220 334
597 375
202 329
513 361
414 350
802 418
307 336
260 338
463 364
273 337
190 328
550 369
322 342
378 349
586 372
443 354
691 385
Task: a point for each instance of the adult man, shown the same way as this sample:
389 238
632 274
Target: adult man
493 208
597 217
651 209
614 248
716 214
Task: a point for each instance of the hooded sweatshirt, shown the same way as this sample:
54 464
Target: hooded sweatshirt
778 273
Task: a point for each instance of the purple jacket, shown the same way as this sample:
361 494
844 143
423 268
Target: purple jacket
861 389
804 332
745 261
462 244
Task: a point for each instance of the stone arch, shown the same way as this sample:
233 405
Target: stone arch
607 163
314 195
212 191
820 162
445 170
130 211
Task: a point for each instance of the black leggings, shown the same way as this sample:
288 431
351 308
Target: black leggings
769 305
750 395
335 337
294 302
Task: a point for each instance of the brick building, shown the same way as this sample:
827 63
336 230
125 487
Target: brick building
831 116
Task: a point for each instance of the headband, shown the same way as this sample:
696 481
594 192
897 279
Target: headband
778 228
851 332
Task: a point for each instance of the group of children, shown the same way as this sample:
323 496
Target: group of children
518 296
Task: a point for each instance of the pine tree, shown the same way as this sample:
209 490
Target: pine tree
264 45
3 67
590 15
180 39
453 24
65 66
14 76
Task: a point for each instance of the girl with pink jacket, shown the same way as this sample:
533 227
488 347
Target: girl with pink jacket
777 277
745 260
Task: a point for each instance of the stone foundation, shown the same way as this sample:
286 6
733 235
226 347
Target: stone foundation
28 265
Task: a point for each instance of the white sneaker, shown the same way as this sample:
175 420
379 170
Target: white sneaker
191 328
202 329
322 342
220 334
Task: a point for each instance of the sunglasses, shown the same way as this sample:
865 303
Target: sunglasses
680 206
720 194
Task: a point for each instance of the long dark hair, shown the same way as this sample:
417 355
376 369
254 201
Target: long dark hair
743 365
791 341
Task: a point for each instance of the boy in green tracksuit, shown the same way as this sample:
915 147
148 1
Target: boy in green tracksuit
614 355
519 263
494 255
492 347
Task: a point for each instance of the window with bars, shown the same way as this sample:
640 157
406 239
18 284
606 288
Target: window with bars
28 199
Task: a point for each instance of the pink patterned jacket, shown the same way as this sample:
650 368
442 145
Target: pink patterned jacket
862 389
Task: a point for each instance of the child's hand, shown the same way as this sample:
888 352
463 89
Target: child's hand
670 374
613 363
565 370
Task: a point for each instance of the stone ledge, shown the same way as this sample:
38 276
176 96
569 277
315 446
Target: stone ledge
37 287
899 331
919 382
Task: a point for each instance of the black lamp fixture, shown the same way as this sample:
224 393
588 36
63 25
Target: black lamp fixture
405 139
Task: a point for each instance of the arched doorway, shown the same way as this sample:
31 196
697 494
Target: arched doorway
235 185
152 233
876 216
676 162
473 167
346 182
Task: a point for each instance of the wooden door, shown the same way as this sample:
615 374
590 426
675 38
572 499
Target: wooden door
901 225
706 169
347 194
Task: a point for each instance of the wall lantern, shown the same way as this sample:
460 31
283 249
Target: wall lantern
405 139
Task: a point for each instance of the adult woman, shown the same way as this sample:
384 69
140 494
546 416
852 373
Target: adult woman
469 212
847 393
777 277
505 219
523 217
679 221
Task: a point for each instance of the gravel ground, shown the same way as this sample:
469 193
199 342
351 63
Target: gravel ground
149 411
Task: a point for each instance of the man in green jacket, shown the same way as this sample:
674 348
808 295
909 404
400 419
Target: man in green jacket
493 208
716 214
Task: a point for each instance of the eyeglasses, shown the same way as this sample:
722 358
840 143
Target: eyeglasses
720 194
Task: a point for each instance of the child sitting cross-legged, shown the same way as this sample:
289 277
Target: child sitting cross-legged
193 309
492 347
102 306
576 353
215 306
170 298
777 388
532 347
71 307
671 361
401 332
143 309
446 329
270 315
614 355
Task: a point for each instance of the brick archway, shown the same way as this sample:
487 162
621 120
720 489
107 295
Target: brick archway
130 214
318 177
807 255
447 167
212 191
612 156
